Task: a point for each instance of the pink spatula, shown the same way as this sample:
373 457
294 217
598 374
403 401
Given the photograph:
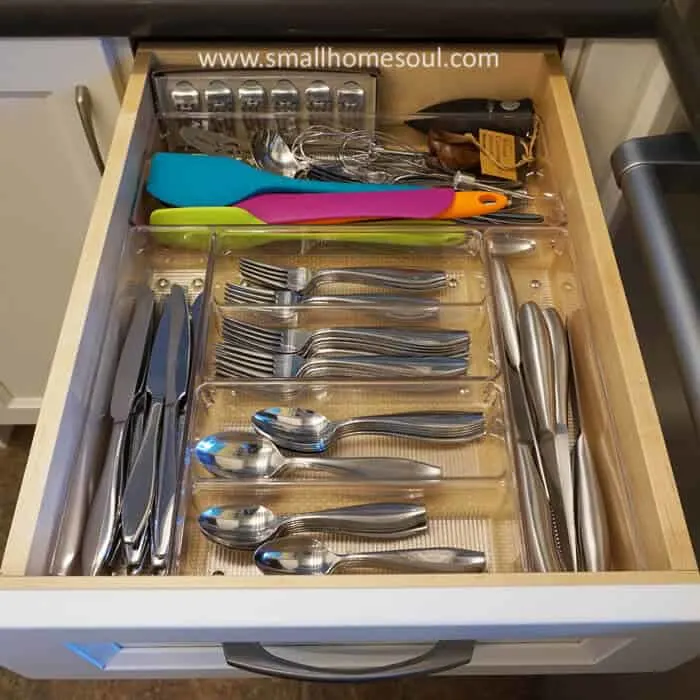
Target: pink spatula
429 203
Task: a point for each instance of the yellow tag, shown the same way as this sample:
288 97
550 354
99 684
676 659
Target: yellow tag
502 148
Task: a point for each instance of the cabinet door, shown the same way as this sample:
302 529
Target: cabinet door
47 189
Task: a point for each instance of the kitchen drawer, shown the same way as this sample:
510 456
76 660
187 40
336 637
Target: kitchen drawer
645 616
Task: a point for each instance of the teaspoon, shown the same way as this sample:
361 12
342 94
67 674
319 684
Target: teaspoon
238 455
304 555
303 430
250 526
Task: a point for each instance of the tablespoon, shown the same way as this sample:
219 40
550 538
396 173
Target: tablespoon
304 555
303 430
250 526
238 455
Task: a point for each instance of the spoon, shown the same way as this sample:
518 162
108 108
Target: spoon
250 526
236 455
299 554
271 152
303 430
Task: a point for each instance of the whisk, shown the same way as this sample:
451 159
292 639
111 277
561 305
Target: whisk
375 156
371 156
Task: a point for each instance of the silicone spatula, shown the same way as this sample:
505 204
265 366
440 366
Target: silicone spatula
186 227
428 203
198 180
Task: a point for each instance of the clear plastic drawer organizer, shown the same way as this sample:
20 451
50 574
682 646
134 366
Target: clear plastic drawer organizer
474 502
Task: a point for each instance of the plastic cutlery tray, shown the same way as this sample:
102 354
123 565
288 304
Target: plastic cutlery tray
475 502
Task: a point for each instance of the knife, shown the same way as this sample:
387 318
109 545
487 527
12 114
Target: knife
66 555
591 517
534 503
104 511
532 491
560 356
139 491
538 371
177 373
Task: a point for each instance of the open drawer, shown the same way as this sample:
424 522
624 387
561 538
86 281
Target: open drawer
644 616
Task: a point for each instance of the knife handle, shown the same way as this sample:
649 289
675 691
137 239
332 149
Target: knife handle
137 502
536 515
593 532
164 506
537 364
560 357
103 517
506 310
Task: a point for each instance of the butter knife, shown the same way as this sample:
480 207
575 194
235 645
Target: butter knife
177 373
532 492
591 517
538 370
139 491
103 518
560 356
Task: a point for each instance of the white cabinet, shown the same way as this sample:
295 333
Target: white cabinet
48 185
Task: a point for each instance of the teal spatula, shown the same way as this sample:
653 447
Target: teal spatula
197 180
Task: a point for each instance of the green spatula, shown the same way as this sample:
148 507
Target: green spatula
186 230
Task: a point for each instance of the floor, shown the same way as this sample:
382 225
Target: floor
676 685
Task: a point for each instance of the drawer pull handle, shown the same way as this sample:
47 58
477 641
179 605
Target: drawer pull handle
443 656
83 103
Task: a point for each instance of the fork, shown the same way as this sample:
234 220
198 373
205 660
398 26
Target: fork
247 362
405 307
306 280
367 341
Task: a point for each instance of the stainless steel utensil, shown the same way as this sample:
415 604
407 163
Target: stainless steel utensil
250 526
271 152
244 361
103 518
319 101
591 516
303 430
533 494
213 143
177 374
324 341
388 306
538 371
560 356
235 455
305 280
139 490
299 554
507 246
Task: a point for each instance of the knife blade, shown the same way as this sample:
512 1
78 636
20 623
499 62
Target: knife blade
178 366
139 491
103 517
538 370
560 356
534 500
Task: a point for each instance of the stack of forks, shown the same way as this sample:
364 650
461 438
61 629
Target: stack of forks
251 351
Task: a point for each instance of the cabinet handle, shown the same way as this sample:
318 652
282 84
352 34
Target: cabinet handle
83 103
253 657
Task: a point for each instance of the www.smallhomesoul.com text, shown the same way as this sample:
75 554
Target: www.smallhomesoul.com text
328 58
